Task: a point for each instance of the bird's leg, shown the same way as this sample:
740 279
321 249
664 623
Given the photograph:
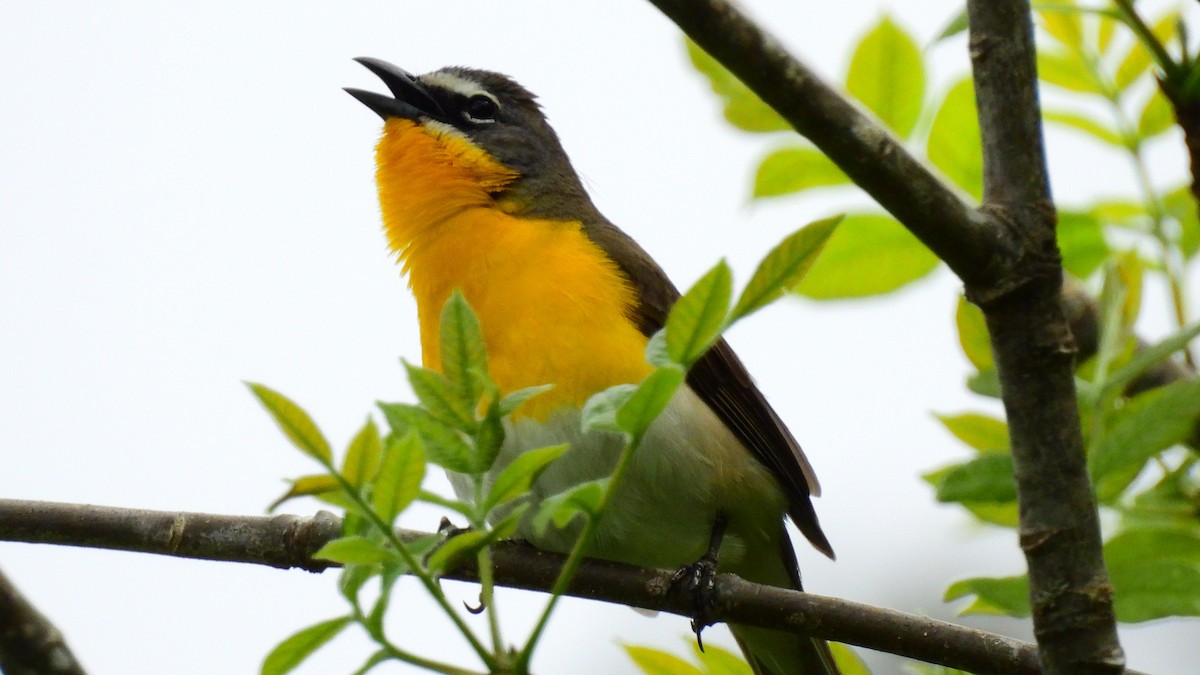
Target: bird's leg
699 579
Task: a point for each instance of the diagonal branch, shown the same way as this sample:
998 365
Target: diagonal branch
1005 252
29 643
289 541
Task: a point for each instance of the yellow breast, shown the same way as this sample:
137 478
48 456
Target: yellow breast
553 308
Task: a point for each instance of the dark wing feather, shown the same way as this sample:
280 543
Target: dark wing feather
721 381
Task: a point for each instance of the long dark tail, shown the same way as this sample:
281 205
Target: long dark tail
772 652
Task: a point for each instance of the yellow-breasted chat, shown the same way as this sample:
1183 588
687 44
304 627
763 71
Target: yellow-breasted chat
477 194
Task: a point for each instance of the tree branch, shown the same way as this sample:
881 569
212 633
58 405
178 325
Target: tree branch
289 541
1070 594
1006 255
29 643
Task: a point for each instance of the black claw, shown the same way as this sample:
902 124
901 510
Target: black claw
478 609
699 580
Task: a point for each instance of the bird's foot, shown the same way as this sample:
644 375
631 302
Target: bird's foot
699 581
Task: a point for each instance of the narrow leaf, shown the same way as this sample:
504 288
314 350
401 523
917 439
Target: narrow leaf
1081 242
307 486
955 144
654 393
979 431
696 319
1066 70
1146 358
363 455
1148 424
785 266
439 398
293 650
513 400
600 410
1087 125
973 335
1005 596
516 478
560 509
742 107
795 169
1156 117
656 662
295 423
462 349
888 76
986 479
867 255
443 445
400 476
354 551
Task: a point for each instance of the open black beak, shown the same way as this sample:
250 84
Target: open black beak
412 100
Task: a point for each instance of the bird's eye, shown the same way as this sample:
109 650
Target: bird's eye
481 108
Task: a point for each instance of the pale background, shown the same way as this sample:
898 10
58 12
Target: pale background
187 201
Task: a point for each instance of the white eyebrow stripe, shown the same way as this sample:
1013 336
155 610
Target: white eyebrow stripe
457 84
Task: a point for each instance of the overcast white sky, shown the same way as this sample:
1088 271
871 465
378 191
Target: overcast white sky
187 201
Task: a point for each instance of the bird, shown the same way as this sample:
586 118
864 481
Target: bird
479 197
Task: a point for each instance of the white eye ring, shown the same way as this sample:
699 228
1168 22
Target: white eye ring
481 109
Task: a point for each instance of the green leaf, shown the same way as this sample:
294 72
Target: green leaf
354 551
867 255
1155 573
986 479
439 399
294 422
696 319
353 578
1004 596
462 350
489 438
795 169
293 650
1137 61
513 400
1148 424
785 266
657 662
1157 116
1063 24
1181 205
516 478
955 146
649 399
400 476
600 410
443 445
560 509
717 661
656 349
888 76
743 108
955 26
308 486
469 543
979 431
1066 70
1146 358
363 455
848 660
1087 125
1081 242
985 383
973 335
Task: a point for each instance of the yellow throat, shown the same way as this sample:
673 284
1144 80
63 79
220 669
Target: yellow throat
554 309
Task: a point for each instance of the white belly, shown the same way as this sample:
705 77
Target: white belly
688 470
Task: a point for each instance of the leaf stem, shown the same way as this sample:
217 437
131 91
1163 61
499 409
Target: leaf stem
414 565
